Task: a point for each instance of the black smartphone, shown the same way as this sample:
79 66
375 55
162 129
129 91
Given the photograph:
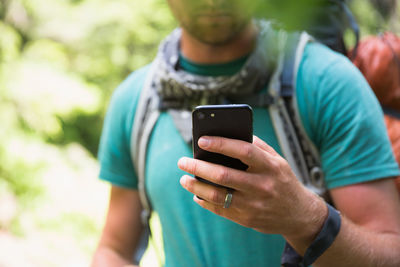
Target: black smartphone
231 121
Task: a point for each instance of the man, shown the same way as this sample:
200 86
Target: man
269 205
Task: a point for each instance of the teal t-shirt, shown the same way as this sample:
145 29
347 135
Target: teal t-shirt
339 112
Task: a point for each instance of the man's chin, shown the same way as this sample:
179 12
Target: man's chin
216 39
216 36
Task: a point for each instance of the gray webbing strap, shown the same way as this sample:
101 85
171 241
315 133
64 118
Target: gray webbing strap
314 173
278 111
146 116
290 131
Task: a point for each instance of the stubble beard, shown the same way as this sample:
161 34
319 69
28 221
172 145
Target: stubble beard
215 34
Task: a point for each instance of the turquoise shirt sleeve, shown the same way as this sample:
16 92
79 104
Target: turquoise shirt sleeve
114 150
343 118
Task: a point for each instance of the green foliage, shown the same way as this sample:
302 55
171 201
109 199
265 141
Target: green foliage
81 126
77 225
10 43
59 63
19 177
371 21
293 14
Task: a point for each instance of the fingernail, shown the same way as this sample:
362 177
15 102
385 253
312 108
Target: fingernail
204 142
182 162
182 181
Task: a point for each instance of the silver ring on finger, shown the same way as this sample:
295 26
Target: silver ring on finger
228 198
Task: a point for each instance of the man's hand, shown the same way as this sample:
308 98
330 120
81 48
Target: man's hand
266 197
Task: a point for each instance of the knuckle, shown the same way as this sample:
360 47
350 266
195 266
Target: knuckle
275 165
218 144
267 187
247 151
270 190
194 167
190 184
222 176
214 196
281 162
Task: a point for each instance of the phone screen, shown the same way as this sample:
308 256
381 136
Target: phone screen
231 121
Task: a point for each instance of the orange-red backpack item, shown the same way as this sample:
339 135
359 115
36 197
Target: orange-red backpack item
378 58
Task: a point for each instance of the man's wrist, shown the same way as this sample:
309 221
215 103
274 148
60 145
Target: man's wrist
320 244
310 224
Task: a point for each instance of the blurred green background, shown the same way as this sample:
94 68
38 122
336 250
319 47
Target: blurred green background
59 63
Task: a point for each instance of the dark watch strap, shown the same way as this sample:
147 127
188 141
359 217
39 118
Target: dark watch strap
325 238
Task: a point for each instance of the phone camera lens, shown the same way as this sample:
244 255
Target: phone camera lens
200 115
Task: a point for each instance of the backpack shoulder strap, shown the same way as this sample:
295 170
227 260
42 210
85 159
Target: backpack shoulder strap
296 146
146 116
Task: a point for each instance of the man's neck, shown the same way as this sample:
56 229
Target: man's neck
203 53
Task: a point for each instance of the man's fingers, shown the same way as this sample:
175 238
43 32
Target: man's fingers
210 193
264 146
216 174
219 210
248 153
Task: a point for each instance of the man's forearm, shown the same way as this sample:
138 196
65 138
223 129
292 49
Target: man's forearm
358 246
107 257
